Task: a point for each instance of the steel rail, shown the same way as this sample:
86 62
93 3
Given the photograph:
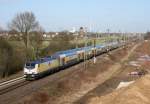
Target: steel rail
11 81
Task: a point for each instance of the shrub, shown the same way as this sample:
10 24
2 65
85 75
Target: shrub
12 59
6 52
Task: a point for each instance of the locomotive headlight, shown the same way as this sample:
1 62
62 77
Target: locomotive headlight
32 75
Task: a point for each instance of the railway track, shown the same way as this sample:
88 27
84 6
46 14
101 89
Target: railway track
12 84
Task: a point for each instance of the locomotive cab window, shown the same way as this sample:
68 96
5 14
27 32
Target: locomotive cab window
30 65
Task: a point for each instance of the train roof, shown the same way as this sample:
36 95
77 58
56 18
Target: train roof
87 48
71 52
67 52
100 46
41 60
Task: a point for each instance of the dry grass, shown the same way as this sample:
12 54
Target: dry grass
38 98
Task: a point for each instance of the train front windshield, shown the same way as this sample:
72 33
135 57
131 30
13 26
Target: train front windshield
30 65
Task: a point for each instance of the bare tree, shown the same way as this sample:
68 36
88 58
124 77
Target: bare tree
24 23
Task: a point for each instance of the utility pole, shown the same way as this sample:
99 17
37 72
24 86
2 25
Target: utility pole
85 46
108 30
77 40
95 50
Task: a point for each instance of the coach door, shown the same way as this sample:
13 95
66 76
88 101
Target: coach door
62 60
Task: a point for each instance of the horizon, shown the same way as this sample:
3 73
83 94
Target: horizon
97 15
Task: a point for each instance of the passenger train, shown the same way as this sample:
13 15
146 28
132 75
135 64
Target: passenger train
60 60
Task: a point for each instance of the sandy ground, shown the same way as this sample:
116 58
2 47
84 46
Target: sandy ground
136 93
79 85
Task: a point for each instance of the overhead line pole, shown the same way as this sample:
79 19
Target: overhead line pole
85 45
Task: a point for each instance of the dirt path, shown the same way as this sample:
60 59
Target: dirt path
130 52
101 78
